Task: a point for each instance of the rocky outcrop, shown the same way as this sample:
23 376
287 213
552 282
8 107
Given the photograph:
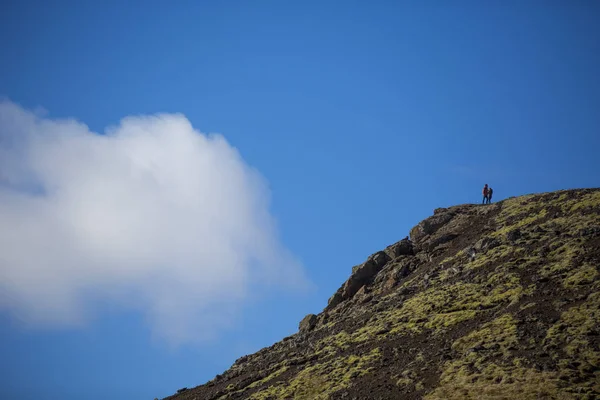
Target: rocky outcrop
402 248
308 323
367 272
430 225
482 302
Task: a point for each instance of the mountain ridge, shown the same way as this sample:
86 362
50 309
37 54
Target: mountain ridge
481 301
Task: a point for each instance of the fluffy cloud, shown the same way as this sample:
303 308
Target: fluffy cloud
152 216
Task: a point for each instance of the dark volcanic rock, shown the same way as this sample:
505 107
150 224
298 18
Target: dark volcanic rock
430 225
308 323
402 248
362 274
514 235
484 302
440 240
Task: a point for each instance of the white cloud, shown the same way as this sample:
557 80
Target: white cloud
153 216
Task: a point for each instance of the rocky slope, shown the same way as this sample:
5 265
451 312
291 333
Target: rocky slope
499 301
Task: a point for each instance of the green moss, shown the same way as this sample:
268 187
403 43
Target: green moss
583 275
524 219
526 306
448 319
276 371
474 376
451 260
562 263
496 382
575 328
574 335
568 215
319 381
517 205
562 198
269 378
560 260
407 378
591 200
500 333
332 344
494 255
444 306
404 381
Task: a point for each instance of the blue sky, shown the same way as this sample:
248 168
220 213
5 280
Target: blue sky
362 118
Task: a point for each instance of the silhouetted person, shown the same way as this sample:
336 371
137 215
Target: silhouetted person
490 192
485 193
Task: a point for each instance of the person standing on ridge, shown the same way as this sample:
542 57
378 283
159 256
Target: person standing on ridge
485 193
490 192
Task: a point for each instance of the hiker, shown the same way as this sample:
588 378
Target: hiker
485 193
490 191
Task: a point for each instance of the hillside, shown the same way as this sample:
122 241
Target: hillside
497 301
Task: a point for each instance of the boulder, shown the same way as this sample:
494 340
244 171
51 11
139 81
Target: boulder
403 271
438 241
366 271
379 259
362 274
401 248
430 225
351 286
396 275
322 319
362 291
334 300
308 323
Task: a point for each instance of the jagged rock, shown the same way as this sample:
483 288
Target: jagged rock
399 272
379 259
423 257
401 248
334 300
448 237
362 274
362 291
322 318
243 359
352 286
308 323
430 225
366 299
389 283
